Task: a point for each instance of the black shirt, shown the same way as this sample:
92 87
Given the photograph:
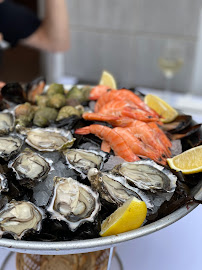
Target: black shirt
16 21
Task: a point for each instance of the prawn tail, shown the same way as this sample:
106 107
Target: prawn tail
99 117
83 130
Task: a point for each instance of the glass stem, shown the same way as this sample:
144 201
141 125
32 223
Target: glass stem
168 94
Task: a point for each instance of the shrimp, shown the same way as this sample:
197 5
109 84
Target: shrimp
124 108
115 141
145 133
138 147
125 95
98 91
99 117
105 146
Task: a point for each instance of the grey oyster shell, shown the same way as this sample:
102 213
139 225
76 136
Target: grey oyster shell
30 168
49 139
19 217
10 146
115 189
83 160
3 183
73 202
147 175
7 123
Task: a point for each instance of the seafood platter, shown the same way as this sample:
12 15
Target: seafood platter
70 156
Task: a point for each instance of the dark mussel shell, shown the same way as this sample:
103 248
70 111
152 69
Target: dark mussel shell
180 123
13 92
35 88
185 133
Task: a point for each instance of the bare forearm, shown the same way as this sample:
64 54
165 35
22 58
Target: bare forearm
53 34
56 23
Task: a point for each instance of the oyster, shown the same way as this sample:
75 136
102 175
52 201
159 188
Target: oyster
9 146
19 217
147 175
49 139
83 160
7 123
73 202
3 183
115 189
30 168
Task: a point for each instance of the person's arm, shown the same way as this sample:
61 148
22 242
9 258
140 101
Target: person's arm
53 33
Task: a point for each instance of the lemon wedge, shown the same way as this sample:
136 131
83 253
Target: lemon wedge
127 217
188 162
166 112
108 79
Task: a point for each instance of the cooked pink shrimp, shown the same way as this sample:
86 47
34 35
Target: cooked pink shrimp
138 147
125 95
98 91
105 146
99 117
127 109
115 141
145 133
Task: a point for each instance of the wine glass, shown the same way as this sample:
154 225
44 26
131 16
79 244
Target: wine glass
170 62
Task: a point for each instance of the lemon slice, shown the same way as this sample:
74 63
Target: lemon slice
127 217
167 112
108 79
188 162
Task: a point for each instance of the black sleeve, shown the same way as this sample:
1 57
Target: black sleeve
16 21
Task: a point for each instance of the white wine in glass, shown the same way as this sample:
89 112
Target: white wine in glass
170 66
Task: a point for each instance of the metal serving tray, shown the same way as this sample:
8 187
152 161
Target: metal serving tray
83 246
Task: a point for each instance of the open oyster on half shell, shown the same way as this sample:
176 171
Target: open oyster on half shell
19 217
49 139
7 123
147 175
83 160
10 146
73 202
115 189
30 168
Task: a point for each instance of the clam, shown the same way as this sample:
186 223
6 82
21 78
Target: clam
3 183
19 217
73 202
147 175
115 189
10 146
83 160
7 123
30 168
49 139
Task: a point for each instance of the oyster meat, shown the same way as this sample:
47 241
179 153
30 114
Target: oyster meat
147 175
30 168
7 123
115 189
83 160
49 139
3 183
73 202
9 146
19 217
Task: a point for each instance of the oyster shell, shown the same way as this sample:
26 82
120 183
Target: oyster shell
49 139
7 123
115 189
30 168
9 146
19 217
73 202
147 175
83 160
3 183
